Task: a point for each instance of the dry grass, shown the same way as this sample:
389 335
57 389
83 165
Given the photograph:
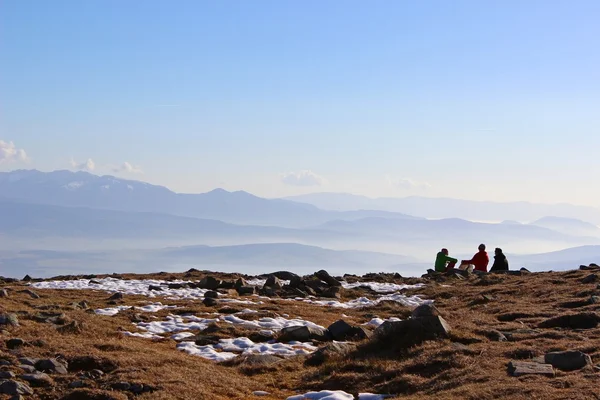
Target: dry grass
468 365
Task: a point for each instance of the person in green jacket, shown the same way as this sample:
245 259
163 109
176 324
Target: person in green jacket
441 260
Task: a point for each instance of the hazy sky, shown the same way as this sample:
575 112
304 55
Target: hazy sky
496 100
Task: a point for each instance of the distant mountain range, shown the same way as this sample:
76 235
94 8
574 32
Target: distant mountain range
450 208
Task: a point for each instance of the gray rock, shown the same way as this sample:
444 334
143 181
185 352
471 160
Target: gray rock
27 361
328 351
568 360
124 386
6 375
412 331
211 294
31 293
303 334
246 290
9 319
209 282
73 327
334 292
5 363
51 365
425 310
28 368
37 379
520 368
342 331
78 384
273 282
15 388
155 288
210 302
116 296
496 336
328 279
586 320
15 343
592 278
4 293
259 360
260 336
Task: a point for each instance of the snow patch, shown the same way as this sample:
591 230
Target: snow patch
335 395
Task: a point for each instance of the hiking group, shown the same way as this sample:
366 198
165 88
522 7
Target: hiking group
480 261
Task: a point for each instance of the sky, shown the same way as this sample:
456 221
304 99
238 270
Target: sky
482 100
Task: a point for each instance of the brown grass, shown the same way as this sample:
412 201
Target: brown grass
468 365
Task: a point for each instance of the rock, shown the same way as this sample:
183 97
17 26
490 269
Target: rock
592 278
176 285
496 336
240 282
15 343
303 334
297 292
520 368
92 363
425 310
37 379
116 296
9 319
568 360
316 285
7 375
51 365
5 363
246 290
78 384
412 331
296 282
73 327
273 283
260 336
334 292
4 293
328 351
328 279
310 291
124 386
26 278
586 320
15 388
209 282
94 282
31 293
27 361
211 294
524 271
93 374
30 369
51 318
285 275
342 331
204 340
210 302
259 360
227 285
155 288
89 394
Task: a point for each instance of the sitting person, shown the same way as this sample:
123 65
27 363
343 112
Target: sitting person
479 260
500 261
441 259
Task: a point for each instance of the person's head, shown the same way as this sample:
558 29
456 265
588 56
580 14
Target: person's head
481 247
445 252
498 250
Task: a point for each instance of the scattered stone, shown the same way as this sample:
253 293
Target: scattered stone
496 336
4 293
91 363
334 292
155 288
94 282
15 343
260 336
5 363
568 360
123 386
412 331
15 388
7 375
592 278
26 278
211 294
73 327
524 270
342 331
210 302
209 282
27 361
31 293
273 283
28 368
88 394
9 319
204 340
520 368
51 365
37 379
328 351
586 320
328 279
303 334
51 318
116 296
425 310
246 290
78 384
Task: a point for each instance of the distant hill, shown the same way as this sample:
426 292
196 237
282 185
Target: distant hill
570 258
82 189
450 208
570 226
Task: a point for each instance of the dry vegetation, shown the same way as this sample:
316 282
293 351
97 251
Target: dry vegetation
471 364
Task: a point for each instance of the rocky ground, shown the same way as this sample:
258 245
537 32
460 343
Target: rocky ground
205 335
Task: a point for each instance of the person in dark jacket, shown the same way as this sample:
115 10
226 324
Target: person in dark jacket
500 261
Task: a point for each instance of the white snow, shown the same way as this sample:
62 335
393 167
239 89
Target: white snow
154 307
375 322
260 393
145 335
181 336
381 287
175 323
277 323
335 395
409 301
74 185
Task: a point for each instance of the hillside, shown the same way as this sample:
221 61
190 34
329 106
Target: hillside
518 336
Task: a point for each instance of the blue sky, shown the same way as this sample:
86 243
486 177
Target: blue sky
494 100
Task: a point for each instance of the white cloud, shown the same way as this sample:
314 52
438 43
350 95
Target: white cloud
302 178
10 153
128 168
406 183
89 165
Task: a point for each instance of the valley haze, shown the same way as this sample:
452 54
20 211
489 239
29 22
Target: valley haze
63 222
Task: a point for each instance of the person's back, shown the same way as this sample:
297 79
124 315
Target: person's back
500 261
442 259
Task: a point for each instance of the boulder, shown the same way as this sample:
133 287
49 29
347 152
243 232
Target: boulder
285 275
246 290
3 293
155 288
7 375
211 294
73 327
227 285
328 351
586 320
92 363
240 282
260 336
15 343
209 282
9 319
116 296
27 278
520 368
412 331
328 279
15 388
568 360
51 365
37 379
334 292
316 285
425 310
273 282
303 334
210 302
296 282
592 278
93 394
254 360
342 331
